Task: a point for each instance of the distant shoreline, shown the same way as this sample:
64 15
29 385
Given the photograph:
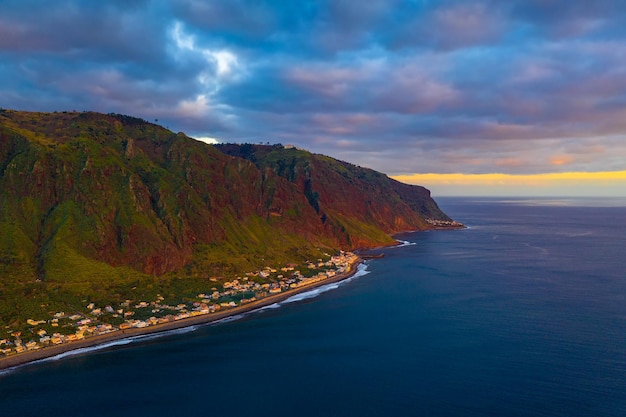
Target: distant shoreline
20 359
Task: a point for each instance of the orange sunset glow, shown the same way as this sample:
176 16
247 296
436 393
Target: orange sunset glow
561 183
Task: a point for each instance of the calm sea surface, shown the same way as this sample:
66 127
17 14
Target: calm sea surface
522 314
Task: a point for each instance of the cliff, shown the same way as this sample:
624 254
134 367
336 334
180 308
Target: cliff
94 202
360 206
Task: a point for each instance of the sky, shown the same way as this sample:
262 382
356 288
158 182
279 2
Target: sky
492 97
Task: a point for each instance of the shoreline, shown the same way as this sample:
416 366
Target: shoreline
25 358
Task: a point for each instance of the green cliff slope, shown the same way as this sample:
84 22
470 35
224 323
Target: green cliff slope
107 206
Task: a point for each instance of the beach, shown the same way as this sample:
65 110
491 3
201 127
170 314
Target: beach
51 351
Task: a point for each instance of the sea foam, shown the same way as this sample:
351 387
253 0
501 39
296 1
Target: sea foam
361 270
403 243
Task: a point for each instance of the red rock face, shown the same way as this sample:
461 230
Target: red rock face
343 194
129 193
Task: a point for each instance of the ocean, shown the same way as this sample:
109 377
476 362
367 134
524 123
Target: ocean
521 314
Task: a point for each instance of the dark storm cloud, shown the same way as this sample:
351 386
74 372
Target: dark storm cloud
402 86
81 30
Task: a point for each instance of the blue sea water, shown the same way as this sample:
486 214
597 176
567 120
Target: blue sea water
521 314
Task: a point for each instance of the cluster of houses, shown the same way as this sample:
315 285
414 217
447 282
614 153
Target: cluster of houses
17 345
444 223
242 290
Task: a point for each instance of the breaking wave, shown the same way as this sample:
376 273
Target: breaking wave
404 243
361 270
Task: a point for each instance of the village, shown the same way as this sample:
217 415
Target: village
101 320
444 223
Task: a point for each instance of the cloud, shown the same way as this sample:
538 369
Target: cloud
102 31
208 140
452 26
402 86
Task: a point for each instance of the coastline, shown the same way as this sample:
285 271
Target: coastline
51 351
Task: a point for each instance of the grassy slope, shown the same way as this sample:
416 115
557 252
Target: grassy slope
107 207
93 206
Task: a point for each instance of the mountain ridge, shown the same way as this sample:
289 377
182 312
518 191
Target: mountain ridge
99 203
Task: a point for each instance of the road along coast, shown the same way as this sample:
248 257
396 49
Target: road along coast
51 351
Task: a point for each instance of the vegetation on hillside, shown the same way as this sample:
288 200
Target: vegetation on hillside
107 207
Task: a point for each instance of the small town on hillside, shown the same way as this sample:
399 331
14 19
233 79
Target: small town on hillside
98 320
